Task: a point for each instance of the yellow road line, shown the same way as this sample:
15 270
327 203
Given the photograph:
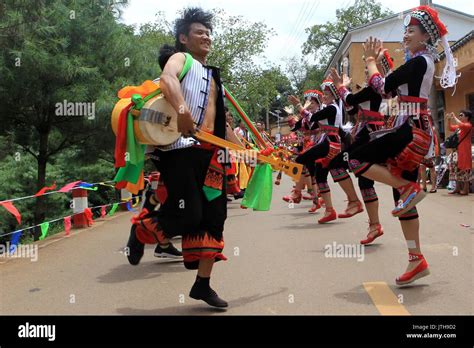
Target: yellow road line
384 299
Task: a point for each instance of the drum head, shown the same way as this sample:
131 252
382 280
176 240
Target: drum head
157 123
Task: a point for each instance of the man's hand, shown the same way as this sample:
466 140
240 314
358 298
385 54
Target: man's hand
186 125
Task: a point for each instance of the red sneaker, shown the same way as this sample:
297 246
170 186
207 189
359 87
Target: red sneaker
332 216
420 271
370 238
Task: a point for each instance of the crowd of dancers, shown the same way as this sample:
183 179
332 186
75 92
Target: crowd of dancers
377 148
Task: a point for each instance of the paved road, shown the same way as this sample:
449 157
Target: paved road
277 264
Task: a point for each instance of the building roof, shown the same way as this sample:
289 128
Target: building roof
381 20
458 44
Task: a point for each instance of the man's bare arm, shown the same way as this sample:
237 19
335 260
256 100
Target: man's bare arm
171 88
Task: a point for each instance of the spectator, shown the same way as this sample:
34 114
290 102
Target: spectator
463 166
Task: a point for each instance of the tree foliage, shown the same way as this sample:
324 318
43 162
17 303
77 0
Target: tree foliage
324 39
78 51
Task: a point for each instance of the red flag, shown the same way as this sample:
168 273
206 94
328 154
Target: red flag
11 208
46 188
88 214
102 211
69 186
67 224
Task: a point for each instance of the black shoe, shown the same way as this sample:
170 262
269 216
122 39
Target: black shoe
207 295
239 195
135 248
170 251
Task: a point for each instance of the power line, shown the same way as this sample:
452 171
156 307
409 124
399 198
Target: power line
307 20
287 41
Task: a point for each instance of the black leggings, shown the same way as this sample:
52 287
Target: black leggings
340 162
378 151
308 159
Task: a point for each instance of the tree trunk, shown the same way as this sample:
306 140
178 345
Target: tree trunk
40 208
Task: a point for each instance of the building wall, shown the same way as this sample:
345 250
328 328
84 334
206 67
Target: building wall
357 65
459 101
465 85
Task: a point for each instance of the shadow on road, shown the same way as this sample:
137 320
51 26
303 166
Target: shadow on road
146 270
307 226
355 295
198 309
413 294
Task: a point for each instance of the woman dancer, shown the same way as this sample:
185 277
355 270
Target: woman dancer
365 106
405 145
329 120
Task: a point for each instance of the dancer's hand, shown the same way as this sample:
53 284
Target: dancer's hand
292 120
186 125
294 100
346 80
371 47
336 78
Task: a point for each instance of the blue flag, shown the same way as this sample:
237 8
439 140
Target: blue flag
14 241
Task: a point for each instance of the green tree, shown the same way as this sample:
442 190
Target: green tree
303 75
324 39
73 51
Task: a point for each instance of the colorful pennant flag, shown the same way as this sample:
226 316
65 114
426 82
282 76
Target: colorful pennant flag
46 188
87 186
113 209
67 225
258 194
14 241
88 215
102 211
44 230
104 184
68 187
12 209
